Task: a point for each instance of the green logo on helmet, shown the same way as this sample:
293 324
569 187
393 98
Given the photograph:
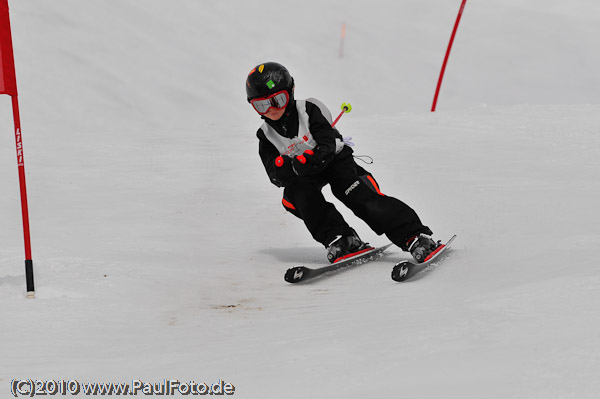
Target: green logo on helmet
270 84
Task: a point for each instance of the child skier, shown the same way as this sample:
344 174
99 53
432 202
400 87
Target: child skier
302 152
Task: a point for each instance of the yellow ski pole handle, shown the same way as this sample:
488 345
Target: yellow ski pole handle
346 107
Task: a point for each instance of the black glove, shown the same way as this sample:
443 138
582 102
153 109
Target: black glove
283 167
304 164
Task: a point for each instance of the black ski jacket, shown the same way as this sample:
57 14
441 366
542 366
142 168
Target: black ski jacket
327 138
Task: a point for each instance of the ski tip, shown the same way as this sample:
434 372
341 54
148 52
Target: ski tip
400 271
295 274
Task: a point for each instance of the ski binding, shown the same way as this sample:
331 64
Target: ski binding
406 269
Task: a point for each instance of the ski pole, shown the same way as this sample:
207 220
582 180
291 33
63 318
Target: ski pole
346 107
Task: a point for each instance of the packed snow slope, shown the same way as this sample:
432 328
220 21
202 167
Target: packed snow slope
159 244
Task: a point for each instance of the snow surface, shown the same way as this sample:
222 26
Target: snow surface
159 245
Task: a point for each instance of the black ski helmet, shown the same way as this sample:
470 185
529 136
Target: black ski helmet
268 78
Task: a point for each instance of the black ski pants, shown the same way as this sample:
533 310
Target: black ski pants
357 189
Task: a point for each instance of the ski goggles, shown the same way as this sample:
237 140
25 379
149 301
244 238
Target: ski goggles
277 100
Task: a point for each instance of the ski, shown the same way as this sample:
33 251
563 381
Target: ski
406 269
297 274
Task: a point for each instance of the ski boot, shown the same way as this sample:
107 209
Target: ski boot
421 246
343 246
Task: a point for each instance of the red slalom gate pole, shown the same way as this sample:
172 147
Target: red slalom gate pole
8 85
439 85
24 208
